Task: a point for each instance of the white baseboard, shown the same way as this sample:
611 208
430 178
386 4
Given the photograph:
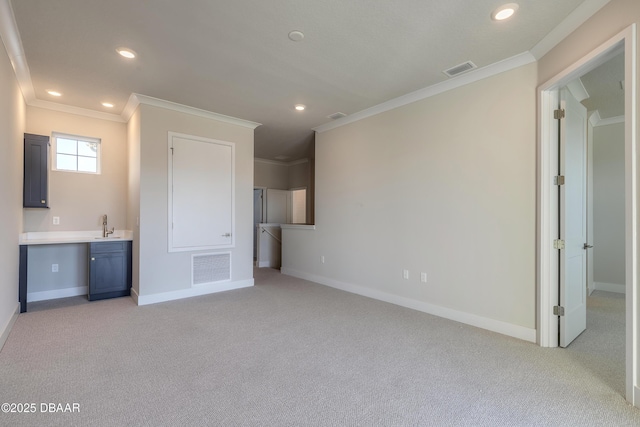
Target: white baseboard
7 328
263 264
57 293
520 332
190 292
609 287
134 296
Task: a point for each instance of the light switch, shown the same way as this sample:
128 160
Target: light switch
56 220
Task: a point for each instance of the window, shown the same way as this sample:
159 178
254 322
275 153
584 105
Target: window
76 153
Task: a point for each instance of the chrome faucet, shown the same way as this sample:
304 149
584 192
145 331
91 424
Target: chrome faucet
105 230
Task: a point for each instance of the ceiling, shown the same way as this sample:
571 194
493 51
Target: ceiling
235 58
604 90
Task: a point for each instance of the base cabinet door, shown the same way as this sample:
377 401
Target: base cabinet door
109 270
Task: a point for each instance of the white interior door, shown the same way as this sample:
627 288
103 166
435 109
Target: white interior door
573 218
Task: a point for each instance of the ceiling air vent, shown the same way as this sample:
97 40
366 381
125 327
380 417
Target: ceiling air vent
459 69
336 116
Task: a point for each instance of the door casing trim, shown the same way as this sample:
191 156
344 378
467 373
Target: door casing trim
547 198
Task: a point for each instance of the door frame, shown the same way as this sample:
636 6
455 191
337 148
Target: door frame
547 195
263 209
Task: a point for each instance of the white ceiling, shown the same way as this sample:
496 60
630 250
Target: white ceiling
605 94
234 57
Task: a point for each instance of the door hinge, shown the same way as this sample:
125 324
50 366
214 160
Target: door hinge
558 244
558 180
558 310
558 114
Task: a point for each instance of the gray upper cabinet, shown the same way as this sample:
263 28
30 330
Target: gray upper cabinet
36 168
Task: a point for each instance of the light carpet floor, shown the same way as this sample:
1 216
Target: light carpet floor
287 352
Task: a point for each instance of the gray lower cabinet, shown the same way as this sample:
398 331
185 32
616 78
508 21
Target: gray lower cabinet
109 270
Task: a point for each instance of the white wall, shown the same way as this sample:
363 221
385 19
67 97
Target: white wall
299 174
80 200
161 272
445 186
133 205
270 174
12 125
608 204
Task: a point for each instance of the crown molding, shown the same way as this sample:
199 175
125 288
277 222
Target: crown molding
568 25
298 162
15 51
278 163
608 121
136 99
577 89
462 80
13 44
75 110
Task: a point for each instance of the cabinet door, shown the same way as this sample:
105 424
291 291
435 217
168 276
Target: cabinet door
35 186
107 273
109 269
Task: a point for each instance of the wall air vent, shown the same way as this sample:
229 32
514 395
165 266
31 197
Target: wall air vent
210 268
336 116
459 69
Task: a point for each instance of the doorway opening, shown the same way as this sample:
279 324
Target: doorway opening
259 210
552 228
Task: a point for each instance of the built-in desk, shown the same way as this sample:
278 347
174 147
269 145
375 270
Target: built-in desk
104 259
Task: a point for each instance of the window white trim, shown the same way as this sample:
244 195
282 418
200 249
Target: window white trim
54 157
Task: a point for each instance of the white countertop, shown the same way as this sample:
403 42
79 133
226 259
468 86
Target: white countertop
62 237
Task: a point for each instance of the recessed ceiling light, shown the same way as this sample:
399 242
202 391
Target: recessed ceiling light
296 35
54 93
504 12
127 53
107 104
300 107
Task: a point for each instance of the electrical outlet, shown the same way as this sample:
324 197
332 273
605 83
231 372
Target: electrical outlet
322 259
56 220
405 274
54 268
423 277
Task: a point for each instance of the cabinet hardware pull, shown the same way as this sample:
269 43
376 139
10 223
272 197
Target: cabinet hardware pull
93 259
